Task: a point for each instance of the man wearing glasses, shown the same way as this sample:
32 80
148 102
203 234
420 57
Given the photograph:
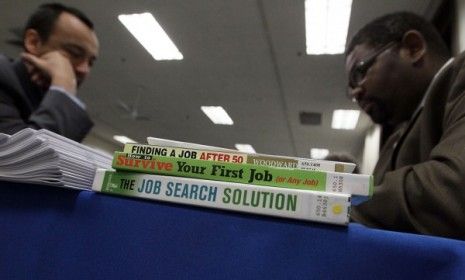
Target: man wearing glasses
400 74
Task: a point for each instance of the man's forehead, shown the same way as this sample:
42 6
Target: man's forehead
358 53
72 29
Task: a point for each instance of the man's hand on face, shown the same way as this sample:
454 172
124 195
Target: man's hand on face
51 68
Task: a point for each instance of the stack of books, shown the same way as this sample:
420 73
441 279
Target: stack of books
46 158
193 174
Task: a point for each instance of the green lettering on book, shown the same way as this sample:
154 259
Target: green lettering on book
247 198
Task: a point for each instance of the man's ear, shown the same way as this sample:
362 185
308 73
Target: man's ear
32 41
413 46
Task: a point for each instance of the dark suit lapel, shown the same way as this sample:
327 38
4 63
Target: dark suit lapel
29 93
406 129
403 135
10 80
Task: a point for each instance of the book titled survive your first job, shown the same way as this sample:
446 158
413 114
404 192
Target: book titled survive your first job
279 202
233 156
334 182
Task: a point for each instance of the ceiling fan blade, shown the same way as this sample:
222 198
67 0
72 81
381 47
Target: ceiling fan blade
17 31
143 118
123 106
14 42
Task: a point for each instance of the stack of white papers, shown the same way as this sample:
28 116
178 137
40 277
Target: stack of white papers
44 157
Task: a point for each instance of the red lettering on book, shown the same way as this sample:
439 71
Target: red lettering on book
120 160
168 166
215 157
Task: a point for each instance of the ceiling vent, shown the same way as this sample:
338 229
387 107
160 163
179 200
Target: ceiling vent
310 118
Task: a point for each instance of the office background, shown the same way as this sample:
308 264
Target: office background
248 56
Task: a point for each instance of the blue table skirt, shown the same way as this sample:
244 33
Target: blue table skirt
53 233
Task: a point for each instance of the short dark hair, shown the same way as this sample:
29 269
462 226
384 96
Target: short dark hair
392 27
44 18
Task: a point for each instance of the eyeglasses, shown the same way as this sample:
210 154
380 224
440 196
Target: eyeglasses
358 72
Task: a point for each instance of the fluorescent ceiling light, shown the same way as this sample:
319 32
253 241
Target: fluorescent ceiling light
326 25
345 119
246 148
123 139
318 153
217 115
145 28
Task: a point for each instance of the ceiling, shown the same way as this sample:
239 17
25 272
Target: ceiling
245 55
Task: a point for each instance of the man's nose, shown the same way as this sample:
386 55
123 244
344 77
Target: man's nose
83 67
355 94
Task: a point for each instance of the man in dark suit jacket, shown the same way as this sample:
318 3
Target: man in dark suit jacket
401 75
39 90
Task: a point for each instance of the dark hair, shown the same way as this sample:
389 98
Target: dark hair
392 27
44 18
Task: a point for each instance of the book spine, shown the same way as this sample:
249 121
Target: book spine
181 144
224 156
287 203
333 182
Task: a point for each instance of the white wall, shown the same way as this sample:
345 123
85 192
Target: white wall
458 35
371 149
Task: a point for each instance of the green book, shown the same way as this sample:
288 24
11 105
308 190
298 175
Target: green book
333 182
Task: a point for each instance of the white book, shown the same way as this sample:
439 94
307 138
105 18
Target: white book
255 158
279 202
180 144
